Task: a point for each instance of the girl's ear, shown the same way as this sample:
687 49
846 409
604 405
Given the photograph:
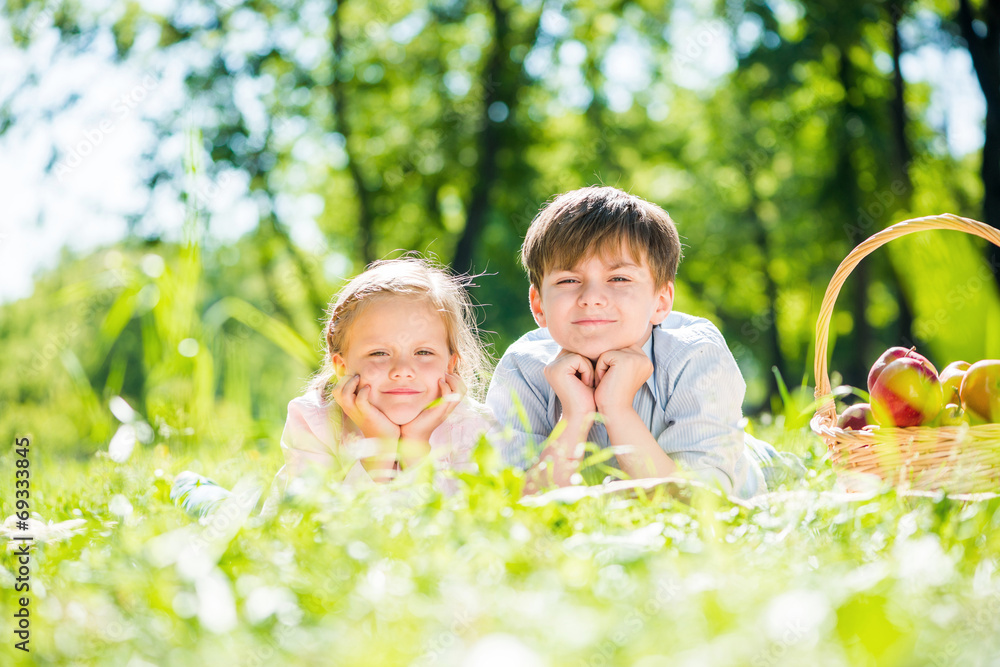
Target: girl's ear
452 362
339 366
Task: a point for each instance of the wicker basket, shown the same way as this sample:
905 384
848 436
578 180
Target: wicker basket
956 459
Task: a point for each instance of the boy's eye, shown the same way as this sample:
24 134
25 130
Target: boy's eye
621 279
563 281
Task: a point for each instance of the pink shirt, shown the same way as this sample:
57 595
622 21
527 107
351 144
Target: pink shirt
313 436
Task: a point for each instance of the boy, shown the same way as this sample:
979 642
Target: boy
601 264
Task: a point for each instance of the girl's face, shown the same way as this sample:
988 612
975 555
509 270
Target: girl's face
399 347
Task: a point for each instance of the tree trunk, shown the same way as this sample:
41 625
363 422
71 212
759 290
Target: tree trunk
901 166
856 368
773 336
489 144
900 120
985 53
267 245
365 216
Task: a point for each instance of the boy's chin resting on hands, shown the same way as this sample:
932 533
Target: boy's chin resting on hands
619 375
606 385
572 378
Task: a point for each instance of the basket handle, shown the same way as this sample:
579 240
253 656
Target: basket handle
827 409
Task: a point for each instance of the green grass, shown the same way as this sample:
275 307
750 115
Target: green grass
404 575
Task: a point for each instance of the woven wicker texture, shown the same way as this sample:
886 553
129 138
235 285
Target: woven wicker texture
959 459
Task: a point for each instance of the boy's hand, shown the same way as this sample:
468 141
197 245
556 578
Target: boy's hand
620 374
571 376
451 389
353 400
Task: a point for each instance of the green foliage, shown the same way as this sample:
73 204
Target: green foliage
443 128
157 325
406 575
952 293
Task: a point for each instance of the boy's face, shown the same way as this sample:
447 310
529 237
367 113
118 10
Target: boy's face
601 304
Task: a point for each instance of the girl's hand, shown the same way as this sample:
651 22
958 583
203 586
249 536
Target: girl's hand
452 389
373 424
353 400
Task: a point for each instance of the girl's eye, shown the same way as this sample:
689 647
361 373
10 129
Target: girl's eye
378 353
425 352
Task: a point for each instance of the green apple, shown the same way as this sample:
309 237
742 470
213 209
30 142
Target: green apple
952 415
980 390
951 380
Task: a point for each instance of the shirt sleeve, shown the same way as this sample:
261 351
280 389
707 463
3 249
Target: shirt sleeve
303 445
703 414
520 409
476 421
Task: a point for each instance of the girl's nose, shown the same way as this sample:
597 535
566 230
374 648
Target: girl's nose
401 370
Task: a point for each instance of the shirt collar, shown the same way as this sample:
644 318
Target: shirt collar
647 347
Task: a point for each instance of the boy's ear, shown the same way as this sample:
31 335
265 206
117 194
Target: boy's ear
535 300
664 303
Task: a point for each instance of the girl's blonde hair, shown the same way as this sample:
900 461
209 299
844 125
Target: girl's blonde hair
416 278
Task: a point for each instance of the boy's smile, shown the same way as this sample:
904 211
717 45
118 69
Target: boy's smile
601 304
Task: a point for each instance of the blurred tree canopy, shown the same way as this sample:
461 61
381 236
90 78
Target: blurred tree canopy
777 134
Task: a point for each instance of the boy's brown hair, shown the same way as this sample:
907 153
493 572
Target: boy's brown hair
600 220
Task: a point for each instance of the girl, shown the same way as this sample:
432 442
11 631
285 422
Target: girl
401 355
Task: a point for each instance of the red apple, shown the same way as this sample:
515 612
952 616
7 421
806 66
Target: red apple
981 390
951 380
856 417
906 393
891 355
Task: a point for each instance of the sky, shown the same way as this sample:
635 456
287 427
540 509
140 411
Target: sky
88 196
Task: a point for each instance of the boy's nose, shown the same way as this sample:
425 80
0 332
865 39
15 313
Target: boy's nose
592 295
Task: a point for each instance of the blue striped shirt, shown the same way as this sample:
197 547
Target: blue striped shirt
691 403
